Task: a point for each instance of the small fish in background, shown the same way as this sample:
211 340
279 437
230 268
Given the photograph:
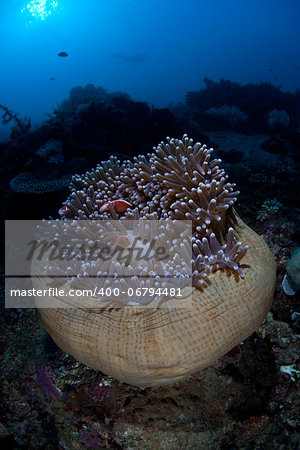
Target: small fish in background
296 67
62 54
51 78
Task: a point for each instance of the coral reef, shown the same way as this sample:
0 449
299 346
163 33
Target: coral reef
28 183
230 114
21 125
268 209
257 101
244 400
51 152
291 281
278 120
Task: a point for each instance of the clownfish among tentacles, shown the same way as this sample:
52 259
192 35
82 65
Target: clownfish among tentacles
120 206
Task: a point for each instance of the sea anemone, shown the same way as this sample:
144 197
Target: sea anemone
178 181
233 271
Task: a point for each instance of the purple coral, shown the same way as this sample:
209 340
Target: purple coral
45 379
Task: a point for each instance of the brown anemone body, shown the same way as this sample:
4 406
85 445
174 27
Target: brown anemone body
158 346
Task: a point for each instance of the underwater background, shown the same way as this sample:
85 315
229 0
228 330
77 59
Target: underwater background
155 51
81 81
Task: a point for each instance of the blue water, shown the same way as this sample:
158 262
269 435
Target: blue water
155 50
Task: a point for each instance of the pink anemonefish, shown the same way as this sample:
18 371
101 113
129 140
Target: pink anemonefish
120 206
64 210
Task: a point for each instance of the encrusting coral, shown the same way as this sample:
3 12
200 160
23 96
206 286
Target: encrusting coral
156 346
28 183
